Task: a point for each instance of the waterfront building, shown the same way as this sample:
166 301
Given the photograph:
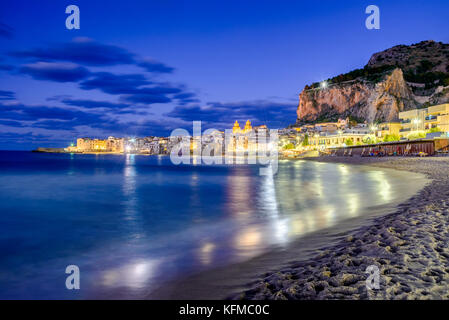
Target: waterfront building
361 128
115 145
425 119
329 127
341 139
388 128
97 145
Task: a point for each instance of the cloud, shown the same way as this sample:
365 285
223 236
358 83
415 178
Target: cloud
115 84
222 115
65 62
55 71
6 31
11 123
26 139
6 67
94 104
84 51
133 88
59 97
155 66
58 118
186 98
147 98
21 112
6 95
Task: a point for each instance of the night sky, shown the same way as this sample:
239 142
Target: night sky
141 68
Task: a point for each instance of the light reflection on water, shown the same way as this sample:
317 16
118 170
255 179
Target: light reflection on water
133 222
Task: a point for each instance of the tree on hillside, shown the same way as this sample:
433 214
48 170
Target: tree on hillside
392 137
305 142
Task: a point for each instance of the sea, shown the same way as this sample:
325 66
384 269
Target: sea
130 223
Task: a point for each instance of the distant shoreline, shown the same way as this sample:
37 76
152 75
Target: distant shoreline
61 150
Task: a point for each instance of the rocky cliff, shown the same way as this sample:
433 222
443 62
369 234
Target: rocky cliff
395 80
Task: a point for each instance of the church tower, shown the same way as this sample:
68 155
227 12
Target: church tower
248 127
236 128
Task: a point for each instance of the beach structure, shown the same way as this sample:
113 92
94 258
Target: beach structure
423 147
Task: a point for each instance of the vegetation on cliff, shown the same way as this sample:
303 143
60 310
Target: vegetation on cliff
397 79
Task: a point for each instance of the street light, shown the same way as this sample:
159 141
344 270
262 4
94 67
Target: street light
416 122
323 85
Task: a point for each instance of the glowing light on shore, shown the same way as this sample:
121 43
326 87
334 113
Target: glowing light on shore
206 252
383 186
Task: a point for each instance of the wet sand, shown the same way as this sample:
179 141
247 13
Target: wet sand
408 245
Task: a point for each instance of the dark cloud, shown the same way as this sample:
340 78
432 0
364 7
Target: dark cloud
83 51
57 118
155 66
6 95
23 112
6 67
65 63
6 31
94 104
147 98
63 120
59 72
59 97
29 140
115 84
161 88
274 114
134 88
186 98
11 123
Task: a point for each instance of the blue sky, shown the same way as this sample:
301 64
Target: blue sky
146 67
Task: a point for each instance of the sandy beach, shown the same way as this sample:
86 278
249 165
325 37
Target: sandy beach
410 248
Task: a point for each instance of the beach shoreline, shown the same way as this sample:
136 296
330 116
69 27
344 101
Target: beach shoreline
408 246
389 242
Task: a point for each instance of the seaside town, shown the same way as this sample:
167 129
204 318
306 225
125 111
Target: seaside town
420 132
216 151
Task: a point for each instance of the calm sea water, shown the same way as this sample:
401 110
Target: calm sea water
133 222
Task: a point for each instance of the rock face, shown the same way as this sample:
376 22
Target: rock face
361 100
389 98
398 79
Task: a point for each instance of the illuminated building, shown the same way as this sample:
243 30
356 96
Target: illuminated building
388 128
334 141
247 127
236 128
425 119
